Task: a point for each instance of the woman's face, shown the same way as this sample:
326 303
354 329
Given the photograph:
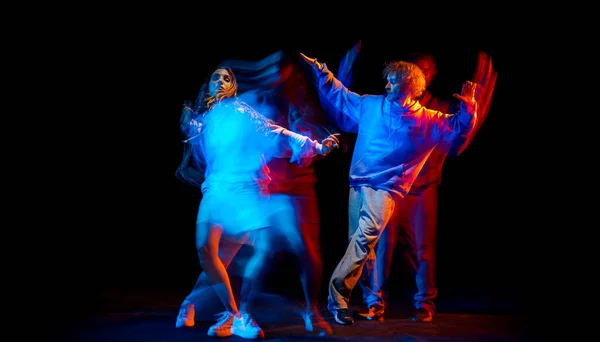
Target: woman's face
220 81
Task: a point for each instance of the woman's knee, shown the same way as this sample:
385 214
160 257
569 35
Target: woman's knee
207 251
207 241
205 254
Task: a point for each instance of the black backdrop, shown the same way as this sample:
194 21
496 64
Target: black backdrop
137 231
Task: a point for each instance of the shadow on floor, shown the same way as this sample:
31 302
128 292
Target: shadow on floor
149 315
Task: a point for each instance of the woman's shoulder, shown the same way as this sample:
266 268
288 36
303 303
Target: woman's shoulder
243 106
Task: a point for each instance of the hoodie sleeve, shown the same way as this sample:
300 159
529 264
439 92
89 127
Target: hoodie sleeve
454 128
348 103
298 146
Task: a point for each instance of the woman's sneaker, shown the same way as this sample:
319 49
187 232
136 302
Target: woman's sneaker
223 326
244 326
185 317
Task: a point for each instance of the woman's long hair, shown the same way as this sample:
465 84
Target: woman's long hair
205 101
192 167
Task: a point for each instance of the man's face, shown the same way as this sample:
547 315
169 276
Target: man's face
393 88
219 81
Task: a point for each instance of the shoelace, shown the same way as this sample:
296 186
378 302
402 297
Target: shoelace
344 312
222 317
247 320
183 310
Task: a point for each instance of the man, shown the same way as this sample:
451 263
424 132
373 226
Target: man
395 137
416 225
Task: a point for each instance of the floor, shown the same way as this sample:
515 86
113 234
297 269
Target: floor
149 315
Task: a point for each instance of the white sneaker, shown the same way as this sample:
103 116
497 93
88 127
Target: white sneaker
244 326
185 318
223 326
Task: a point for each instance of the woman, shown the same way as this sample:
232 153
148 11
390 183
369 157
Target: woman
228 147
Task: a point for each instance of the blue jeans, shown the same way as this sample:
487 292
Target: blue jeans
370 211
414 228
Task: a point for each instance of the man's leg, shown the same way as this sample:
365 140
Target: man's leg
376 208
376 272
423 227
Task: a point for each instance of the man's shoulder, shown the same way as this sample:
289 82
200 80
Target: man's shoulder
374 98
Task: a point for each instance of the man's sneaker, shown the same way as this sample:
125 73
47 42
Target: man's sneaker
316 324
342 316
422 315
244 326
185 317
375 312
223 326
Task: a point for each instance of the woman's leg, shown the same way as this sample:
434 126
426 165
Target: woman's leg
255 270
203 290
207 243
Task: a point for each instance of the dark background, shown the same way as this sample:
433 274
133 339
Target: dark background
134 222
